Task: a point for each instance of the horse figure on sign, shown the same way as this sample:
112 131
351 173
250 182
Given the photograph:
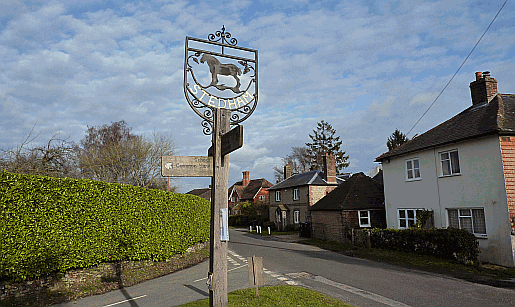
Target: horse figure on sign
216 68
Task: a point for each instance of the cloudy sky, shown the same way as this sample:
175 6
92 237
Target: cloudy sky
366 67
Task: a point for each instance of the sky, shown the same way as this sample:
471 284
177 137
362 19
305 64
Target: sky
365 67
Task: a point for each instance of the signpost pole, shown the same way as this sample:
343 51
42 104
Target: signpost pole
220 184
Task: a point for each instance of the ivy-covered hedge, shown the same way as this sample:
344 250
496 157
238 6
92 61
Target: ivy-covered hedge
448 243
51 224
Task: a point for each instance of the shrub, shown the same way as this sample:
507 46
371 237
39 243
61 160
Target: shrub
52 224
448 243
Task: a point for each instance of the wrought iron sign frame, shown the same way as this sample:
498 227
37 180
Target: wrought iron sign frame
243 103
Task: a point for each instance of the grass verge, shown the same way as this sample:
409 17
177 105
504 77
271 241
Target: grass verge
79 283
484 273
284 296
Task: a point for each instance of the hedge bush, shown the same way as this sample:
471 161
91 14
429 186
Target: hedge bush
54 224
450 243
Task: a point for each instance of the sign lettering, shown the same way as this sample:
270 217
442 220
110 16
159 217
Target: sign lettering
186 166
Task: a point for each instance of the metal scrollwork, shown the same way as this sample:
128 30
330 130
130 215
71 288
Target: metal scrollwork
204 98
222 35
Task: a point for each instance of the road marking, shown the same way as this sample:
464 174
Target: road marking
363 293
132 299
292 283
227 272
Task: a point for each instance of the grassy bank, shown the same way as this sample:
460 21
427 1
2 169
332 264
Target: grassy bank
484 273
284 296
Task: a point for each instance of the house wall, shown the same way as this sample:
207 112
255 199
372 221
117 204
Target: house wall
318 192
330 225
508 159
480 184
327 225
264 192
287 199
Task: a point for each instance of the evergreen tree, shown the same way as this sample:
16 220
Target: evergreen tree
396 139
324 141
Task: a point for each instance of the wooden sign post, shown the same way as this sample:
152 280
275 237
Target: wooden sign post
256 272
220 184
220 105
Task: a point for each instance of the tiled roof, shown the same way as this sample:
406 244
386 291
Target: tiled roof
359 192
494 117
204 193
253 187
248 192
308 178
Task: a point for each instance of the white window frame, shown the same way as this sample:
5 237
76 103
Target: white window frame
296 216
367 224
413 169
277 195
406 217
450 160
295 194
261 197
463 215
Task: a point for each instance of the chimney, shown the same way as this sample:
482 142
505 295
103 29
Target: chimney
287 171
483 89
246 179
330 168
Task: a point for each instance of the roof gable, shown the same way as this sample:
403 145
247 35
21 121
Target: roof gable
307 178
253 188
359 192
496 116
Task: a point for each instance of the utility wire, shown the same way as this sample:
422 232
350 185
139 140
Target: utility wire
458 68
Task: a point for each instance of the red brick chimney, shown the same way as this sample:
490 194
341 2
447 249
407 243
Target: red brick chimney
246 179
287 171
483 89
330 168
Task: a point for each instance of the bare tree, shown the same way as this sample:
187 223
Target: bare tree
112 153
298 160
56 158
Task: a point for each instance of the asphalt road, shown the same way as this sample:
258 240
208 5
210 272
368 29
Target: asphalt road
354 281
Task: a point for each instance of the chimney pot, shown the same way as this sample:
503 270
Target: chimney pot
483 89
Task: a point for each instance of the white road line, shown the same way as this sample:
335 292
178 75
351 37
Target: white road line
227 272
132 299
291 283
282 278
363 293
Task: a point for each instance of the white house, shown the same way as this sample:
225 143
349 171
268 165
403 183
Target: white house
464 171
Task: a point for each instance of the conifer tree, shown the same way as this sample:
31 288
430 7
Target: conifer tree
396 139
325 141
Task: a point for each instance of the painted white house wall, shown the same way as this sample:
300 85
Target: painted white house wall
480 184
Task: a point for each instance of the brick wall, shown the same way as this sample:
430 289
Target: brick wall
327 225
508 161
317 192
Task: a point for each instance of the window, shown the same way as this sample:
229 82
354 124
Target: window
296 216
261 197
412 169
472 220
450 163
295 194
407 217
277 195
364 218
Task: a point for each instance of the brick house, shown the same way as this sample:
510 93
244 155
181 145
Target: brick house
291 198
464 171
356 203
247 190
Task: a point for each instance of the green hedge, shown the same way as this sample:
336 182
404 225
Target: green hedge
448 243
52 224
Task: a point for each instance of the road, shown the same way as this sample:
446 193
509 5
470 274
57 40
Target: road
354 281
